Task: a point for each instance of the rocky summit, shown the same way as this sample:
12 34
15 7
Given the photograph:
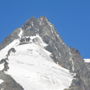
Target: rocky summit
35 57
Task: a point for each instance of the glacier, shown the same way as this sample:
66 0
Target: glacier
32 67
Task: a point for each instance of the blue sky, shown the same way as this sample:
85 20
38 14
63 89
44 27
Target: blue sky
71 18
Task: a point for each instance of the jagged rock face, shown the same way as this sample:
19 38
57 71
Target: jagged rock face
88 65
62 54
9 83
82 81
60 51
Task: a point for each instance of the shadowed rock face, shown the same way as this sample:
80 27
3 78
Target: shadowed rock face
88 66
82 81
61 53
9 83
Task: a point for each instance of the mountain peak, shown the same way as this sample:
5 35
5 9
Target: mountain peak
33 19
38 45
36 22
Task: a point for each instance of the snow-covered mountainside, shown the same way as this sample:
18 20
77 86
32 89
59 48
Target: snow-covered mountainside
34 57
32 67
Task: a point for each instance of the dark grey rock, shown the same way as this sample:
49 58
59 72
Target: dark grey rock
88 66
9 83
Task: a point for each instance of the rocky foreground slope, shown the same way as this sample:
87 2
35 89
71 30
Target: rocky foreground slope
34 57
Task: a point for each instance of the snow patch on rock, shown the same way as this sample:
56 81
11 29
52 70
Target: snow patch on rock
87 60
1 81
21 33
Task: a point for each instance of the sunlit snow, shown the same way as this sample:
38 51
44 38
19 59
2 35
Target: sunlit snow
87 60
21 33
4 51
1 81
32 67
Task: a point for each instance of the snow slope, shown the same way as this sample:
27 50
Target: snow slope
1 81
87 60
4 51
32 67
